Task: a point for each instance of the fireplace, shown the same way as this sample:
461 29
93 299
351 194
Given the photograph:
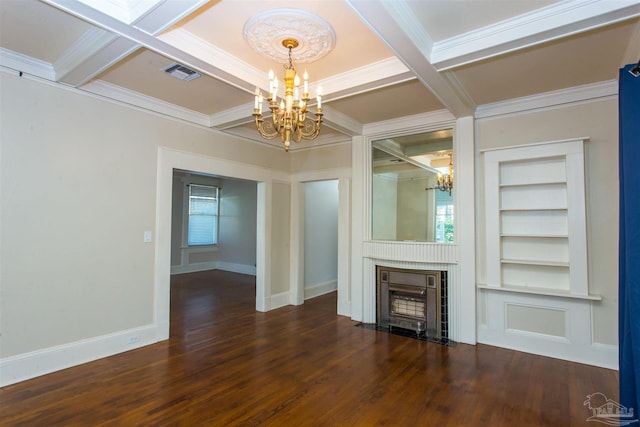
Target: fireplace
414 300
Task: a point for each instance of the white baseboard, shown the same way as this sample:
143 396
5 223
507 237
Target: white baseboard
344 308
214 265
34 364
236 268
279 300
318 289
193 268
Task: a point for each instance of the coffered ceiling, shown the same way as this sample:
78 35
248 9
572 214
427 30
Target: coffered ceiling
391 58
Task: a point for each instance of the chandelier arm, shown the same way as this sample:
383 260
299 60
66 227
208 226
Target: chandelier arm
310 129
266 129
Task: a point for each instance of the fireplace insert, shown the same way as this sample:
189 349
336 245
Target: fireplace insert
413 300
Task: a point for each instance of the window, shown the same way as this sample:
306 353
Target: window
444 217
203 215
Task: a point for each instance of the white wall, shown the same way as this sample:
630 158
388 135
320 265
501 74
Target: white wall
237 237
320 237
77 192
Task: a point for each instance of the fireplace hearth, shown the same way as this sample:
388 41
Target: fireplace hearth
414 301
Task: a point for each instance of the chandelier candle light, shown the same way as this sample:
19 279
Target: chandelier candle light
289 116
445 182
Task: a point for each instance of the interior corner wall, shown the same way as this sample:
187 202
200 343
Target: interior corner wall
280 243
237 234
598 120
320 237
77 192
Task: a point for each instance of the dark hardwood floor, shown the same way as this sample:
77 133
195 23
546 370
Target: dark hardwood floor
228 365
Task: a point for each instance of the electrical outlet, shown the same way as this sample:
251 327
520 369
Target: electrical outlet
133 339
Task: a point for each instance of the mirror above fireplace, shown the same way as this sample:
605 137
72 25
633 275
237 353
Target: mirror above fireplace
412 188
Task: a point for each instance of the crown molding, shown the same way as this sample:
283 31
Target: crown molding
252 135
26 64
551 99
117 93
542 25
410 124
372 76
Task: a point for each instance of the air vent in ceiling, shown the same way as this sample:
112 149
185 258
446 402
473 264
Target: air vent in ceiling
181 72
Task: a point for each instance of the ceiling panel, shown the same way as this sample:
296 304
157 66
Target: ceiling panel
37 30
445 18
143 72
578 60
391 102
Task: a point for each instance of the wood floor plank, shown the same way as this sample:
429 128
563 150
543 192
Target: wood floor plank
227 365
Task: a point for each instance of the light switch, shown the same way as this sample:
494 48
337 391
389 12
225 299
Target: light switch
147 236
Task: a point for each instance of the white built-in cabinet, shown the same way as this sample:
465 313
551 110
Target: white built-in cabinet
536 239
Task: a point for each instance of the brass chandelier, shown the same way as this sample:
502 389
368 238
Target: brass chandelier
445 182
289 116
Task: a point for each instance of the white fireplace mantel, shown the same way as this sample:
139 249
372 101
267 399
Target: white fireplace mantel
458 258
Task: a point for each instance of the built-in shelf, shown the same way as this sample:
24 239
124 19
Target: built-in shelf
535 219
531 210
548 236
535 262
539 291
530 184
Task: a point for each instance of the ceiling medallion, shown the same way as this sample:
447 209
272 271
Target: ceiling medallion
266 31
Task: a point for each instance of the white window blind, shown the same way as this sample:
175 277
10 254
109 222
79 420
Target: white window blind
203 215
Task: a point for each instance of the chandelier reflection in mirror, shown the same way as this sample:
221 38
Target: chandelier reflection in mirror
289 116
444 182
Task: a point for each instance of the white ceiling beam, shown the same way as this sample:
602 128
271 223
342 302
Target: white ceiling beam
165 14
552 22
100 48
127 11
95 51
395 24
